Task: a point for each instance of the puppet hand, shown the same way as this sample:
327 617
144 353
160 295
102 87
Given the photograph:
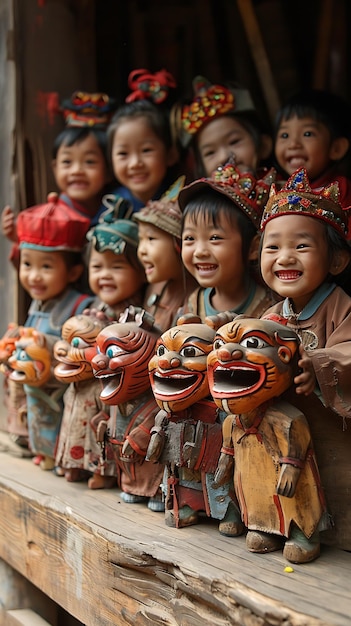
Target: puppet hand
225 470
289 475
155 447
305 381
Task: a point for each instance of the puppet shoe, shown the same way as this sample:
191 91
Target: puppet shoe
76 475
299 549
59 471
47 463
37 459
97 481
156 504
231 525
131 498
186 517
257 541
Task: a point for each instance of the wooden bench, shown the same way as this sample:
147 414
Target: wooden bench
106 562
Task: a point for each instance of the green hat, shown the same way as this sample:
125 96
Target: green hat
115 230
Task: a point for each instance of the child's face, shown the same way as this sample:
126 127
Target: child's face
139 158
112 278
303 143
213 254
294 258
158 255
45 275
222 137
80 171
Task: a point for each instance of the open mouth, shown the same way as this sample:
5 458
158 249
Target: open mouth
239 380
18 375
111 383
288 275
66 370
174 385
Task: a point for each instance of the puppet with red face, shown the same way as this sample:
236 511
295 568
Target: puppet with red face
121 365
267 446
78 453
187 435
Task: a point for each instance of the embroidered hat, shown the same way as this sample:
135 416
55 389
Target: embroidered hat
297 197
52 226
115 230
210 101
165 212
147 86
88 109
242 188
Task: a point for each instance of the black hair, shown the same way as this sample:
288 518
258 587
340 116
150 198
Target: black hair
211 204
322 106
74 134
156 115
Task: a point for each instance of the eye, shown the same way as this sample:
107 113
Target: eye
191 351
113 351
22 356
78 342
254 342
161 350
218 344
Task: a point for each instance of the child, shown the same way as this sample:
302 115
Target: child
221 216
140 141
116 275
221 121
159 252
79 159
313 131
304 249
50 243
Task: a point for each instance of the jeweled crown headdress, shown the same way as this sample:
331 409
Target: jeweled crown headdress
210 101
88 109
298 197
245 191
165 212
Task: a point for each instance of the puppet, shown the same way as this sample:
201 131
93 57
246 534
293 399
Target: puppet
187 436
267 446
32 364
14 395
78 452
121 366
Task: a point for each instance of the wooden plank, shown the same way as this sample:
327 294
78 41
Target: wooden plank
24 617
106 562
260 57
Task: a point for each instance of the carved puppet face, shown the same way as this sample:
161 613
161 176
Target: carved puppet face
178 369
7 347
252 362
32 359
76 348
121 364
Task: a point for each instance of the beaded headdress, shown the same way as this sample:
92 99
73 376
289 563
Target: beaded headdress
147 86
88 109
245 191
52 226
165 212
115 229
210 101
297 197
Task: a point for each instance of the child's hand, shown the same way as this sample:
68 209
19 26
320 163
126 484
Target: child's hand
8 224
305 381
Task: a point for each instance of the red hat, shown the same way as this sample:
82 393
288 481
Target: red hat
52 226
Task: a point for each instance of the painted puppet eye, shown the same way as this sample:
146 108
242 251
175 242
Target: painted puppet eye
78 342
161 350
113 351
254 342
191 351
22 356
218 344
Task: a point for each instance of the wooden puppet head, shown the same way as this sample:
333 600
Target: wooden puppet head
32 359
178 370
76 349
124 349
252 362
